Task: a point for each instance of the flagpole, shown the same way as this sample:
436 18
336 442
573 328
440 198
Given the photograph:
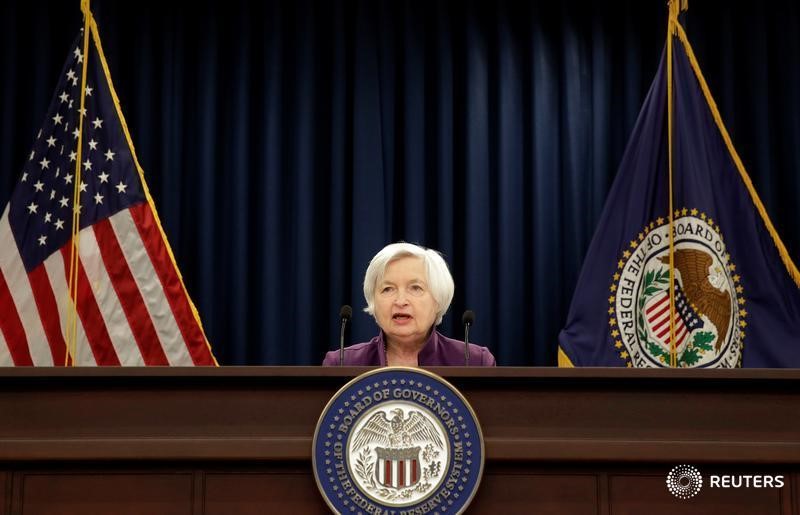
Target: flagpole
675 7
673 13
71 331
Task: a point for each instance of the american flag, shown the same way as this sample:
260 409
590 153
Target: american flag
132 306
686 318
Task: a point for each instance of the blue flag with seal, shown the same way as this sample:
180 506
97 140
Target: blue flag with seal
683 201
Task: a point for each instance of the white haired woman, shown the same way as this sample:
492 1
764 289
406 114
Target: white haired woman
408 289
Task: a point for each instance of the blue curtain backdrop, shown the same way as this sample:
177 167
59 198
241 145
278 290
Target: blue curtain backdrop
286 142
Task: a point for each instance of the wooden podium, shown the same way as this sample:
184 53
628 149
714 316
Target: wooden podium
236 440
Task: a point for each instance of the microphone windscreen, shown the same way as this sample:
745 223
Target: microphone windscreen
468 318
346 313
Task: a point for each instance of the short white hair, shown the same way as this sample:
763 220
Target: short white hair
439 280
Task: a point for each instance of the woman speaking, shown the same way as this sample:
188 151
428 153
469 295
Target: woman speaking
408 289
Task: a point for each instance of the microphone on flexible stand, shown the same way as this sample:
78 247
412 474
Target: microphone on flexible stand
468 318
345 313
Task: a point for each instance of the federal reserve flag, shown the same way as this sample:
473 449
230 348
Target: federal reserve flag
734 298
131 304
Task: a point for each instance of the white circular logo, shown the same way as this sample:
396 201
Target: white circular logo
684 481
707 325
398 453
398 440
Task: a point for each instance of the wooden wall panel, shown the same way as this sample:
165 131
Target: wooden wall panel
76 493
5 493
638 494
541 494
257 494
238 440
267 413
224 490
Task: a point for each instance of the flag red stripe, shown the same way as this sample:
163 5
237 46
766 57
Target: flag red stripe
413 471
678 323
661 319
665 333
387 478
401 473
93 323
11 325
680 329
664 321
129 296
173 288
657 304
681 335
656 315
47 306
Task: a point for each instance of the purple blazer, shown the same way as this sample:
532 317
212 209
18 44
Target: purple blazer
438 351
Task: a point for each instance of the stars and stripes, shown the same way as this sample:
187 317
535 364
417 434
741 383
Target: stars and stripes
132 306
686 319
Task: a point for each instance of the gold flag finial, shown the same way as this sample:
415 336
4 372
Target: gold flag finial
676 7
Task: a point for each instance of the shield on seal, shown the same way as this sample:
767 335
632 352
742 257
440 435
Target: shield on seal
397 468
686 318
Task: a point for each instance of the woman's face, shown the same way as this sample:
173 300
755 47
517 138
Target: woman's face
404 306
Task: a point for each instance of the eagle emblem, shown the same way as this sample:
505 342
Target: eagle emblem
398 432
702 289
706 325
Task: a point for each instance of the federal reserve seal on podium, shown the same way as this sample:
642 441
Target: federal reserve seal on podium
398 441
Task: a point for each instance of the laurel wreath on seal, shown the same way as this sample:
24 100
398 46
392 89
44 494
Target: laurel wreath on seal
365 467
655 282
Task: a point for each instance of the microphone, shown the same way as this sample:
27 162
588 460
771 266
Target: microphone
345 314
468 318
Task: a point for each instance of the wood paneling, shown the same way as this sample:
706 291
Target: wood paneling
269 413
256 494
102 494
238 440
638 494
562 491
5 493
519 493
